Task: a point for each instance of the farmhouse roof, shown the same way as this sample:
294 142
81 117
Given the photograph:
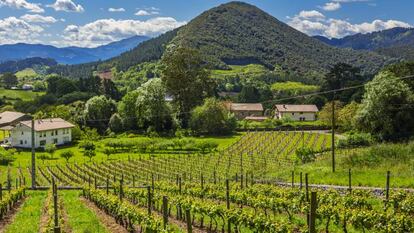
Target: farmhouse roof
48 124
9 117
245 107
296 108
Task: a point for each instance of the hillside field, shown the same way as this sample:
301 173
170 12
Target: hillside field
19 94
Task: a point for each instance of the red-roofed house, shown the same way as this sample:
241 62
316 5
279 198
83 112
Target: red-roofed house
296 112
47 131
243 110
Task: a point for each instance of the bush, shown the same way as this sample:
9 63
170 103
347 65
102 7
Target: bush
305 155
207 146
356 140
6 157
67 155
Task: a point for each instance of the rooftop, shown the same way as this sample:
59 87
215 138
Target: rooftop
246 107
296 108
48 124
8 117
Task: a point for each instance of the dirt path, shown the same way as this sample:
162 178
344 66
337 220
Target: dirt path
11 215
108 221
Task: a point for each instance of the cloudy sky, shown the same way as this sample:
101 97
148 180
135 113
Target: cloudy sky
90 23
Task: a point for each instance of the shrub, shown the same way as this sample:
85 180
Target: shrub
305 155
67 155
207 146
356 140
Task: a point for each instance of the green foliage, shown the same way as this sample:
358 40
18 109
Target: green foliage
136 75
115 123
88 149
212 118
9 80
294 88
325 114
68 154
207 146
305 154
184 69
385 111
98 111
355 139
50 149
6 157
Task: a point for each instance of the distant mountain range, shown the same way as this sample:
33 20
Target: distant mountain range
33 62
68 55
395 42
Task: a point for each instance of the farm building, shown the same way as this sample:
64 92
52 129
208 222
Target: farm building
47 131
243 110
8 118
296 112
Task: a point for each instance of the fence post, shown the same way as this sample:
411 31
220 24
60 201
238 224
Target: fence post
349 181
293 179
56 228
121 195
188 218
214 175
149 199
301 180
307 187
165 211
387 191
312 216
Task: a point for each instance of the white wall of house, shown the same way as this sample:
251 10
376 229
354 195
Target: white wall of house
297 116
21 136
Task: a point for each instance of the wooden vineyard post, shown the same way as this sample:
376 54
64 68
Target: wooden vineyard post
188 219
251 179
349 181
107 185
202 181
301 180
121 189
228 203
387 187
307 187
165 211
179 184
214 177
152 181
1 192
312 216
149 199
293 179
56 228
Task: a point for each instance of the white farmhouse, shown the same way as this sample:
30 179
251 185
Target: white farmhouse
47 131
296 112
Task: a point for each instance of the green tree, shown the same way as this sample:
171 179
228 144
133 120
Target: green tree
187 79
67 155
127 110
386 110
249 94
9 80
325 115
88 149
50 149
212 118
115 123
151 108
98 111
346 116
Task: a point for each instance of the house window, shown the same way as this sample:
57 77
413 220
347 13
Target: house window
40 135
293 113
25 142
42 142
56 132
44 134
66 139
21 142
52 133
22 133
55 140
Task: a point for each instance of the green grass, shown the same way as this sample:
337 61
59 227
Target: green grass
80 218
19 94
293 87
27 219
240 70
28 72
368 166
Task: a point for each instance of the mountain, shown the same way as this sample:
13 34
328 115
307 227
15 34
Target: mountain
35 62
395 42
68 55
239 33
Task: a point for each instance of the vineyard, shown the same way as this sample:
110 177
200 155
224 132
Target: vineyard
222 191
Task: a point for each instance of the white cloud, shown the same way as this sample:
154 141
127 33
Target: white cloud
347 1
38 19
104 31
313 24
14 30
116 9
331 6
311 15
153 11
22 4
66 5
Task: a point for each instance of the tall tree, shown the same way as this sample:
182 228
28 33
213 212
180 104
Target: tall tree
9 80
98 111
187 79
386 109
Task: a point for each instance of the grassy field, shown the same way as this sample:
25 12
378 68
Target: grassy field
19 94
240 70
293 87
27 219
28 72
80 218
368 166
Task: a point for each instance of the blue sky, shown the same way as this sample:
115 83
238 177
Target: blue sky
90 23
